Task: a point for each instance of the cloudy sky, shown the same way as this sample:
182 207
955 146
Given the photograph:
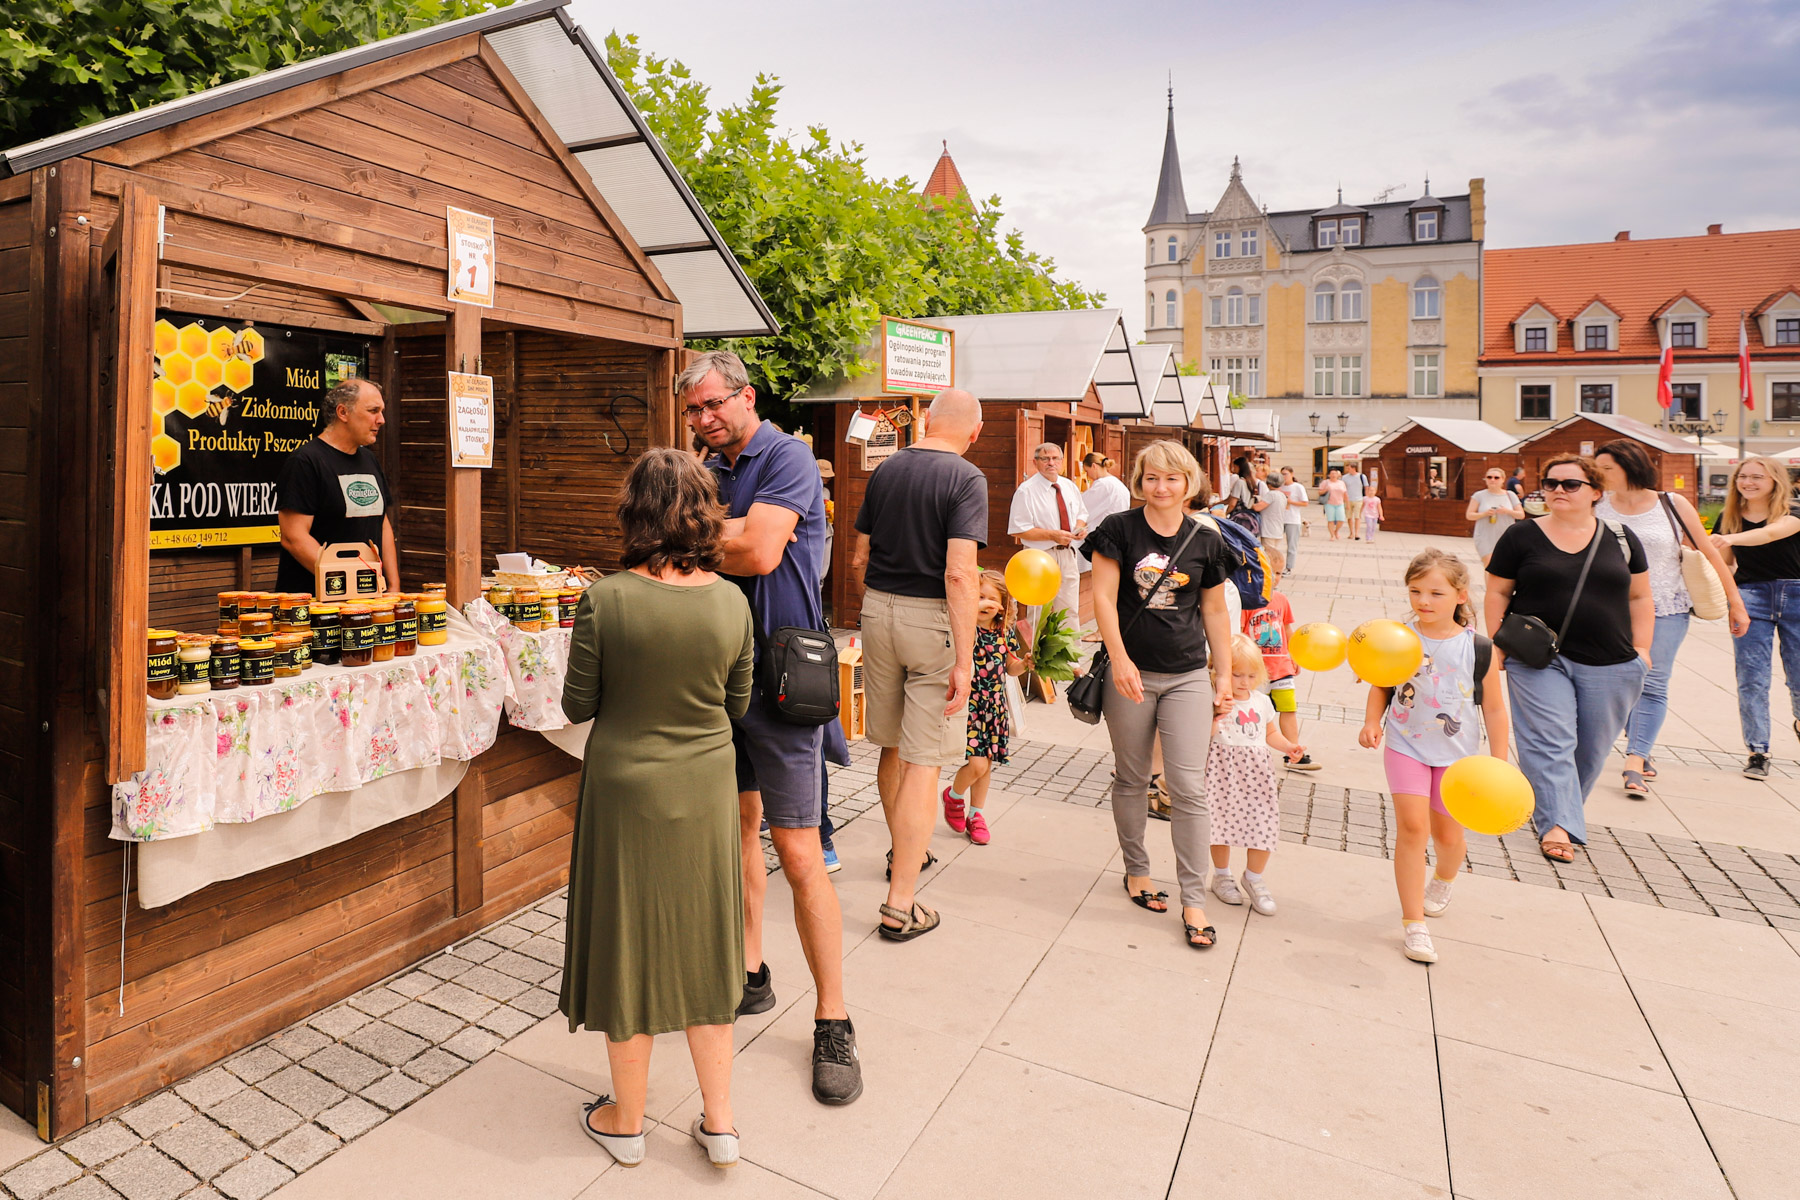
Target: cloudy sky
1584 118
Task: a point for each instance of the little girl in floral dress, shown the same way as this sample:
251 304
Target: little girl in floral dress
1240 780
997 655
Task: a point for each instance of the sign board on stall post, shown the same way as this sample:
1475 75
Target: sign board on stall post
471 240
915 357
472 417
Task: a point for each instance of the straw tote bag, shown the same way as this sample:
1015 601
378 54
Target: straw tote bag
1706 595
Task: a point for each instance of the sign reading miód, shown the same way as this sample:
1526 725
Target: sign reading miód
916 358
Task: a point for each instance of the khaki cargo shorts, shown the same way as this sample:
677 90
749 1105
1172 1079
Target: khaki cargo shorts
907 656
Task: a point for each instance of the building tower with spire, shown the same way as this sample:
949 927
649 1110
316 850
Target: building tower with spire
946 182
1167 245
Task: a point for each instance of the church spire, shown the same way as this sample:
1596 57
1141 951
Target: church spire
1170 207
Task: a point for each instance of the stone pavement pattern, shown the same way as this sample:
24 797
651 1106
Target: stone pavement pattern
1051 1039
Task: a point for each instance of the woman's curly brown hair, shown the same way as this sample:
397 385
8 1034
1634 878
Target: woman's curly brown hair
669 514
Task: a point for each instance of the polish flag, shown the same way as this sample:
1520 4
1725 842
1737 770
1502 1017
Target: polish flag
1665 394
1744 392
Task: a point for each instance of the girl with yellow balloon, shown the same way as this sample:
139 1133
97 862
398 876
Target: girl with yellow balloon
1432 718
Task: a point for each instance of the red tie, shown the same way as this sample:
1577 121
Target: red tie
1062 509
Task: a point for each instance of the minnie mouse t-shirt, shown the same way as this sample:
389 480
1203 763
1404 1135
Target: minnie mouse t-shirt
1169 638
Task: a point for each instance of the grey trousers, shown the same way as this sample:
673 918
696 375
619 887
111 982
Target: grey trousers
1180 707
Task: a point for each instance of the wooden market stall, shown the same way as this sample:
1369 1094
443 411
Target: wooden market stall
1041 377
1430 466
301 216
1677 461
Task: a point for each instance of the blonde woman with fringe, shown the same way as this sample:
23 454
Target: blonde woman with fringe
1756 534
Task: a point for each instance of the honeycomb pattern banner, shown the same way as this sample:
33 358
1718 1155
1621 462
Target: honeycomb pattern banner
198 372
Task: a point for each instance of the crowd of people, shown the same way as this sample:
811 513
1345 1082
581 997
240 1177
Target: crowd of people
692 753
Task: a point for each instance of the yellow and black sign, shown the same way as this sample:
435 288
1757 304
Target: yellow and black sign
230 401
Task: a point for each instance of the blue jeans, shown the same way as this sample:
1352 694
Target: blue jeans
1647 715
1566 718
1774 606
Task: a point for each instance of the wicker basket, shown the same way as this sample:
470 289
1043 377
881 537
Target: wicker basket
512 579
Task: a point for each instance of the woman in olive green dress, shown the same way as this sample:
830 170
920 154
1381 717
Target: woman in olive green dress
660 660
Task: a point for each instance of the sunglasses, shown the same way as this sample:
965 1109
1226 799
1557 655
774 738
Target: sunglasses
712 406
1567 485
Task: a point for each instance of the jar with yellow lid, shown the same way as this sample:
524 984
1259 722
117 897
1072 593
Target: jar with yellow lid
528 609
256 661
327 631
256 624
434 620
223 669
502 600
193 664
357 647
385 630
287 655
161 674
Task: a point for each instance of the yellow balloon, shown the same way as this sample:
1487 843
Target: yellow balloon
1318 646
1033 577
1487 795
1385 653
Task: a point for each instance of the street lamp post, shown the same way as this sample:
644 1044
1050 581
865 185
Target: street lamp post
1699 430
1343 423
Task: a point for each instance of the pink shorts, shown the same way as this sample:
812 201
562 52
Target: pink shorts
1410 777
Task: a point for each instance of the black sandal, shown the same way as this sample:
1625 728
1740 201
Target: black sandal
930 862
916 921
1145 899
1209 933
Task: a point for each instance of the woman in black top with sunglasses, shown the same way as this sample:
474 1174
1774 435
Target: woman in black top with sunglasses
1567 715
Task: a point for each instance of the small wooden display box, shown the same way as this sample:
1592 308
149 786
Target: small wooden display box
851 712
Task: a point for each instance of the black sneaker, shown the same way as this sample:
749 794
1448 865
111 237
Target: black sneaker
1757 767
837 1073
758 997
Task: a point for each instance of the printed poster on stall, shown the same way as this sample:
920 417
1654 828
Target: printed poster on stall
471 239
229 401
916 358
472 419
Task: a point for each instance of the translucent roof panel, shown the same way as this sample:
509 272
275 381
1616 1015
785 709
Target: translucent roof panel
562 83
710 296
634 184
1475 437
1160 383
1200 400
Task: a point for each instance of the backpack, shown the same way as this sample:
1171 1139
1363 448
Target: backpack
1484 659
1250 572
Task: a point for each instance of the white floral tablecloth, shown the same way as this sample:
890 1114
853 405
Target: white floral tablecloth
535 666
235 756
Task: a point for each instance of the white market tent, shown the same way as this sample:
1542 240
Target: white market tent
1160 383
1356 450
1205 406
1264 424
1475 437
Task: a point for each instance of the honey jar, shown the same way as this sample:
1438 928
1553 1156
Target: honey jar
193 664
256 661
293 612
327 630
223 667
255 624
567 601
357 645
287 655
502 600
406 627
528 610
228 608
434 620
161 676
385 631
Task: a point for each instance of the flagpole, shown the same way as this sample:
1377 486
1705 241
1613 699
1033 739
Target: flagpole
1742 354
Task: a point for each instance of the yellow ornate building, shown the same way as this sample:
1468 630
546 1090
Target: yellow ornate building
1371 312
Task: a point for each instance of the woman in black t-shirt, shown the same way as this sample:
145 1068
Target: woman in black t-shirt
1759 536
1158 667
1567 716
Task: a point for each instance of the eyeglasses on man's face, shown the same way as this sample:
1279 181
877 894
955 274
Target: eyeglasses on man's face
1567 485
692 412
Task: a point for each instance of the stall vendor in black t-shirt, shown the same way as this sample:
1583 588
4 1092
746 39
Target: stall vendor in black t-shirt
332 489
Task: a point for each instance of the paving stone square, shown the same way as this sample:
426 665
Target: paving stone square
253 1066
157 1113
301 1090
459 1002
351 1117
303 1148
434 1067
425 1022
394 1091
145 1174
345 1067
201 1146
101 1143
209 1087
253 1179
385 1043
255 1117
37 1176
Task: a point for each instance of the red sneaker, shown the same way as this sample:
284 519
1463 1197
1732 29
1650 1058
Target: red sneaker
953 813
978 830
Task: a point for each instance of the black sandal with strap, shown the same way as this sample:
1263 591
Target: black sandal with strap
1209 933
1146 898
930 862
914 922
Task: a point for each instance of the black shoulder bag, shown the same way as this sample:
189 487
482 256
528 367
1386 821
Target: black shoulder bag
1530 640
1087 695
797 670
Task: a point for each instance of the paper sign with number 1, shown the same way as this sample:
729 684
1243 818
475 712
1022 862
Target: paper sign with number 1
471 241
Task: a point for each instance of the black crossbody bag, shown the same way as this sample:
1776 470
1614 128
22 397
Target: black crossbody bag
797 670
1530 640
1087 695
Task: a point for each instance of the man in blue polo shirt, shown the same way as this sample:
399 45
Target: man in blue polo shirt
775 551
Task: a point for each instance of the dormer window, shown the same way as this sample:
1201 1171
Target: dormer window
1537 340
1787 331
1173 244
1221 245
1596 337
1328 234
1682 335
1425 226
1350 231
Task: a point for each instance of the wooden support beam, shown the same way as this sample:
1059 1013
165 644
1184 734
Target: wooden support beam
462 575
513 430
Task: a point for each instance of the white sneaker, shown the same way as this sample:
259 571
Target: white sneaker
1437 895
721 1148
1261 899
1226 888
1418 944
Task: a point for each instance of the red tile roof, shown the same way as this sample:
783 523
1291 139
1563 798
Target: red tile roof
1723 273
946 181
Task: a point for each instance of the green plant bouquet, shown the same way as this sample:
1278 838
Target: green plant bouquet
1054 655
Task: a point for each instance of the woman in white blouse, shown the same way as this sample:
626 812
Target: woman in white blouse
1106 495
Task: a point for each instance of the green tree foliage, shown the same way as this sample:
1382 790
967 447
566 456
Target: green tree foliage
65 63
829 246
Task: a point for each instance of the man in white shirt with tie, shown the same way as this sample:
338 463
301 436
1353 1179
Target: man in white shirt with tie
1048 514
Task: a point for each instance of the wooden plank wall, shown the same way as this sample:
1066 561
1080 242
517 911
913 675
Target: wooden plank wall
19 843
1568 439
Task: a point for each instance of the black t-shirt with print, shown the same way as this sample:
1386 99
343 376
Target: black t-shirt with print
1169 638
1779 559
1544 580
345 494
